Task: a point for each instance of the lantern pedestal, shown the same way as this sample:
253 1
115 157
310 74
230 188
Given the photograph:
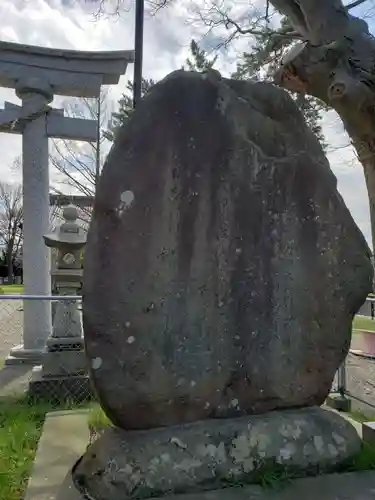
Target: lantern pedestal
63 373
75 388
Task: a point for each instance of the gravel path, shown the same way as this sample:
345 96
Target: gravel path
13 379
11 320
360 381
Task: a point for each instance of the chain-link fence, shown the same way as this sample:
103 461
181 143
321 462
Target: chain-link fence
355 379
60 376
357 384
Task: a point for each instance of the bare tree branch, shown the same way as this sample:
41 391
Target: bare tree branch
267 9
250 31
11 217
76 162
354 4
253 23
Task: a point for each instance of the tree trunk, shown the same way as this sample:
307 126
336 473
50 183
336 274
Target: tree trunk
367 158
10 263
336 63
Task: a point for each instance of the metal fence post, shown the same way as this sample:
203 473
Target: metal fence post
338 399
341 379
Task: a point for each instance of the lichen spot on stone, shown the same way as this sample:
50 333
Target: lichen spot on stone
333 451
126 201
240 449
127 198
337 438
318 443
216 453
260 441
187 464
289 431
249 465
286 453
165 458
96 363
131 339
177 442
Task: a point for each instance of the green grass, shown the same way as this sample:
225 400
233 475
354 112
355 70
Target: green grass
365 460
361 417
11 289
364 323
21 423
97 419
20 428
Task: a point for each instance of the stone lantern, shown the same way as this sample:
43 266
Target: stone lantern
63 372
68 240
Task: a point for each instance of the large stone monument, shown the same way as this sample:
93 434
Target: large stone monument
38 74
230 271
63 372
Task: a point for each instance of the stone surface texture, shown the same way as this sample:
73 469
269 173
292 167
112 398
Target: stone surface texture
213 453
222 269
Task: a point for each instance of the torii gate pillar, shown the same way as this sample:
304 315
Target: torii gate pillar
36 256
37 74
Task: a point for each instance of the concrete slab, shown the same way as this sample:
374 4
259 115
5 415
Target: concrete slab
368 432
64 439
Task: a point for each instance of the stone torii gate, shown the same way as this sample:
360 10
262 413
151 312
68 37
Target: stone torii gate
37 74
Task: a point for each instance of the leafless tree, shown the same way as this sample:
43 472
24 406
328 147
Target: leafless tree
78 165
11 217
331 58
118 7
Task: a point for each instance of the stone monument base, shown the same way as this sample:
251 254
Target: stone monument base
64 357
20 355
211 454
75 388
63 373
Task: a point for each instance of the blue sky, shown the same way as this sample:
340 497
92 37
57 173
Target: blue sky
70 24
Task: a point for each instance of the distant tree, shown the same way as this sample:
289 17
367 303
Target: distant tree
125 104
11 224
198 60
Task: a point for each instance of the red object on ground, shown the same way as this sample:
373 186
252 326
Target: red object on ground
365 344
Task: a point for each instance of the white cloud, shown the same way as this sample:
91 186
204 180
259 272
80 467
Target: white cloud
349 172
69 24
